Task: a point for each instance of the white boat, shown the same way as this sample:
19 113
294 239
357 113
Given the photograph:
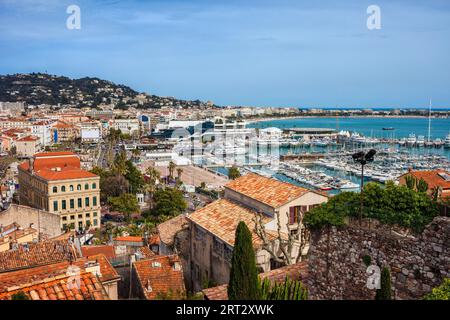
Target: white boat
447 141
349 185
420 141
411 139
438 142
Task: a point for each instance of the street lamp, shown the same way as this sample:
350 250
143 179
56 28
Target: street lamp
363 158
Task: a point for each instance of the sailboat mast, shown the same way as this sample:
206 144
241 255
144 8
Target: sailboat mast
429 123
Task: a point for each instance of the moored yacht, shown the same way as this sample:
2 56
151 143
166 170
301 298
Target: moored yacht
411 139
447 142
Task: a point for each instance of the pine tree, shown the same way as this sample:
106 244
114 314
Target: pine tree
243 284
385 291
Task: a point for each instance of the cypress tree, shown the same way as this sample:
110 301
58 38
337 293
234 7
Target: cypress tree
243 284
385 291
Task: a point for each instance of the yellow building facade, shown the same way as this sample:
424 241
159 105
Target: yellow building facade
54 182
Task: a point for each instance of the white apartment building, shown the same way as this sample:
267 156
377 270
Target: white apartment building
91 132
43 130
129 126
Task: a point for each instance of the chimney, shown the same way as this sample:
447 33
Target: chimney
93 267
31 165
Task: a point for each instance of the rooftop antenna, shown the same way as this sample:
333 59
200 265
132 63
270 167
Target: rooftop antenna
429 122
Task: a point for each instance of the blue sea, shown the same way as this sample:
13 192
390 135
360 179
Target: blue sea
372 127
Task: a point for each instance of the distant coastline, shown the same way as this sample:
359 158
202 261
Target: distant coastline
253 120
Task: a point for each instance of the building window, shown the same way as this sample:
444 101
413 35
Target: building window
86 201
88 215
64 218
80 204
71 188
80 216
199 234
72 217
228 253
64 226
63 204
79 187
94 201
218 246
296 213
55 205
86 186
63 189
95 214
94 186
95 222
72 203
55 189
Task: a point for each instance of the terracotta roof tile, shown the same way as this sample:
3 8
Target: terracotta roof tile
36 254
57 289
432 178
107 251
57 166
129 239
163 278
266 190
169 229
298 271
222 217
19 277
146 252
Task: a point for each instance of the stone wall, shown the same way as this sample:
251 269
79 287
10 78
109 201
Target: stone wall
48 224
417 263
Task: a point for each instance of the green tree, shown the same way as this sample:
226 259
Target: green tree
120 163
392 204
113 186
233 173
441 292
171 169
243 284
179 172
134 177
287 290
152 177
421 185
410 182
168 202
385 291
126 203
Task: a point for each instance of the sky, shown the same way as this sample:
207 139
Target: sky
249 52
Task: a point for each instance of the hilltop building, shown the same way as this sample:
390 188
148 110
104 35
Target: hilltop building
212 228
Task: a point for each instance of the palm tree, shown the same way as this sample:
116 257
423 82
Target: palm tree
179 172
171 169
136 153
153 177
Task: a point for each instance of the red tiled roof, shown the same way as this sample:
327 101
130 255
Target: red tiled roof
146 252
28 138
30 274
432 178
106 250
168 229
57 289
163 279
298 271
129 239
36 254
222 217
266 190
57 166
